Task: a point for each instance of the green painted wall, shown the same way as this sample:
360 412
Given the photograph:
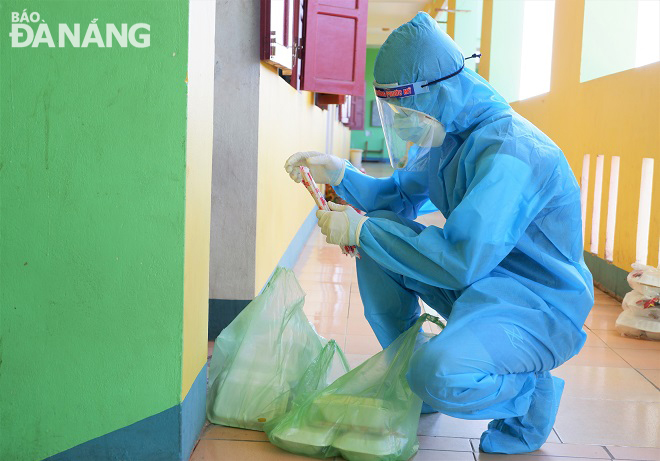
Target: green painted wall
92 181
371 134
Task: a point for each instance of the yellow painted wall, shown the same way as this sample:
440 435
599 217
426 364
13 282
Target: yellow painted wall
288 122
618 114
199 154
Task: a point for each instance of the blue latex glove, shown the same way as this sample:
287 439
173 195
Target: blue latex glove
342 225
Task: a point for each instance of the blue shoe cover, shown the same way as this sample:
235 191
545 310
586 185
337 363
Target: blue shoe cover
523 434
426 409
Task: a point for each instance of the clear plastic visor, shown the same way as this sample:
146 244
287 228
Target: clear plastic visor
404 128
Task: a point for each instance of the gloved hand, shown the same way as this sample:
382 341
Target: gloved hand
325 169
342 225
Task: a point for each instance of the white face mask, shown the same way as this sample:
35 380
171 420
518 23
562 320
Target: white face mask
418 128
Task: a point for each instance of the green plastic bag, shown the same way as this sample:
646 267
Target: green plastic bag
369 414
259 359
326 368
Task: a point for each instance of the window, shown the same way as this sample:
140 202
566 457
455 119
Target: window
320 43
467 29
536 55
345 111
619 35
467 25
351 112
277 33
357 109
521 48
647 48
442 15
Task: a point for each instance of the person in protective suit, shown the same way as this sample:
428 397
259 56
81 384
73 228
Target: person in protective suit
506 270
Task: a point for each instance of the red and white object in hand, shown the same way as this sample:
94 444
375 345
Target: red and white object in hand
321 202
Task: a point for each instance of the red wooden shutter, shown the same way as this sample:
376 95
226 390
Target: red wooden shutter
326 99
357 113
335 46
264 29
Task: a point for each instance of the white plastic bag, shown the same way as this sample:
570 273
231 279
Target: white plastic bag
640 317
645 280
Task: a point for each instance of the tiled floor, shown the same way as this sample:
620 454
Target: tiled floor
610 408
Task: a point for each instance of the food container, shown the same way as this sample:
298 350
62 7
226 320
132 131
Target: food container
348 412
370 447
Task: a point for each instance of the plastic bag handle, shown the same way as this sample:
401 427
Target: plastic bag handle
409 338
434 319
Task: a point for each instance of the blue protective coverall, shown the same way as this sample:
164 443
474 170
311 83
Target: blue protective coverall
506 270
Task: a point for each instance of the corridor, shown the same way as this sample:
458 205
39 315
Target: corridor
610 408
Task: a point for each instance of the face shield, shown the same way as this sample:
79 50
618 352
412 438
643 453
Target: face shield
408 133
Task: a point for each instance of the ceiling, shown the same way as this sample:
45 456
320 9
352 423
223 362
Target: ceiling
387 15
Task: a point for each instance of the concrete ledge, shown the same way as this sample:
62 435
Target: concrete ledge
222 312
608 277
297 244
